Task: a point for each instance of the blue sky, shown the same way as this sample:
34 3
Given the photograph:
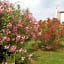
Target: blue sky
42 9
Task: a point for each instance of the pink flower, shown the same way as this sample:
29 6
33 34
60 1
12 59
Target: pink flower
6 63
3 30
14 28
8 31
19 21
13 39
36 22
36 27
33 36
28 15
30 55
18 38
13 48
6 46
33 19
39 34
27 29
9 10
1 9
23 37
4 38
7 39
27 37
4 1
14 19
5 6
9 25
19 25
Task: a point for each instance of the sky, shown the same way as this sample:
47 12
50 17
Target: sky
41 9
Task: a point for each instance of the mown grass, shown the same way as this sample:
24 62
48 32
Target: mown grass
48 57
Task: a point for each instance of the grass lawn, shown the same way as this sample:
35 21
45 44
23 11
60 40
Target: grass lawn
49 57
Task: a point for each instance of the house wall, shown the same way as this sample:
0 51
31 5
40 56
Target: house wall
60 15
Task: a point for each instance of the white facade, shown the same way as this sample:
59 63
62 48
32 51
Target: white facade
60 15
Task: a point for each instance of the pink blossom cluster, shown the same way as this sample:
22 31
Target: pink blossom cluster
5 6
1 9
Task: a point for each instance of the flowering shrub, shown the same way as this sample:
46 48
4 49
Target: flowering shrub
17 28
51 33
62 33
13 41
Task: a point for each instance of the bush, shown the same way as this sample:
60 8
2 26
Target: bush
51 33
16 29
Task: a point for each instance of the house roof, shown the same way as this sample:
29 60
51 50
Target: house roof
61 11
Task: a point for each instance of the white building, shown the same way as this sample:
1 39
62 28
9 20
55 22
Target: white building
60 15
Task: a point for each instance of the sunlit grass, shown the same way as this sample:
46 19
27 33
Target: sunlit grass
49 57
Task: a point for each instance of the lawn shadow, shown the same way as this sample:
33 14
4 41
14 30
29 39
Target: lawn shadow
59 48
